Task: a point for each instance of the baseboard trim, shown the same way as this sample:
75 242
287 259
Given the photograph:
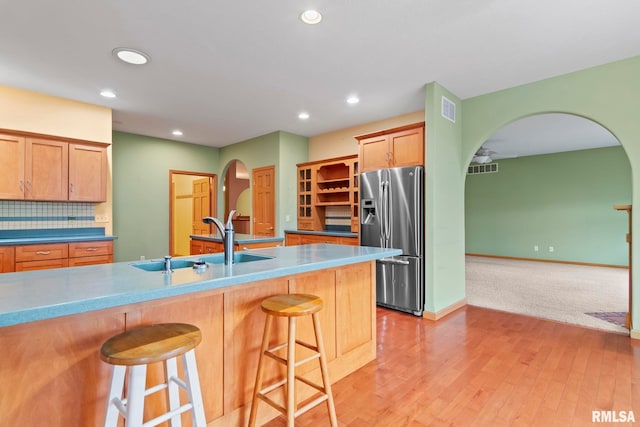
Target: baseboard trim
634 334
445 311
626 267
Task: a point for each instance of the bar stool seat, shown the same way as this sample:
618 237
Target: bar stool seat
292 306
133 350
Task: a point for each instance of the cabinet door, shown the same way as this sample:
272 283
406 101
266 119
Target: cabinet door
213 247
197 247
292 239
407 147
7 259
12 152
49 251
374 153
46 169
87 173
42 265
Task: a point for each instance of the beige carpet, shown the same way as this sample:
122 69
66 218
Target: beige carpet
553 291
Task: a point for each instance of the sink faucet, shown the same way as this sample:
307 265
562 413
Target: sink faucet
227 232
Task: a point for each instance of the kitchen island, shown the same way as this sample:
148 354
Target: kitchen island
54 322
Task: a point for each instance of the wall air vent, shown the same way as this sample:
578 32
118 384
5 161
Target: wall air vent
448 109
484 168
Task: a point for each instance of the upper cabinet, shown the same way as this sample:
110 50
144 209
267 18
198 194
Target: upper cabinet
87 173
43 169
403 146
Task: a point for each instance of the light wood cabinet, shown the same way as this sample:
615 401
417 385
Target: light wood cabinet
12 156
46 169
42 256
87 173
403 146
90 253
51 169
330 182
59 255
7 259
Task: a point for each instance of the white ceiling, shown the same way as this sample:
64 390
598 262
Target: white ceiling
226 71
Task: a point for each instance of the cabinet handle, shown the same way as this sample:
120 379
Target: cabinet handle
43 253
92 249
21 186
71 187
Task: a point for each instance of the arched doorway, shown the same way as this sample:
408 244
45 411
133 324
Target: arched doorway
543 188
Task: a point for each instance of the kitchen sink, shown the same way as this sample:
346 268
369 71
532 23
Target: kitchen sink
159 265
239 257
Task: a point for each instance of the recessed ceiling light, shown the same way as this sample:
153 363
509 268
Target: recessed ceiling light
353 100
177 132
108 93
131 56
311 17
303 116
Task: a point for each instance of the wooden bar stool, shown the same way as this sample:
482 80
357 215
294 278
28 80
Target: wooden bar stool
292 306
136 349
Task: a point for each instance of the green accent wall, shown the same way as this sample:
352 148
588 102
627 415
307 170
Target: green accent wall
607 94
562 200
444 204
141 167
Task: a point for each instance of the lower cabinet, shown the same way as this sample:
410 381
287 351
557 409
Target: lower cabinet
292 239
7 259
199 247
58 255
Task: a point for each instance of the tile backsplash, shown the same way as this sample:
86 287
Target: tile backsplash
15 215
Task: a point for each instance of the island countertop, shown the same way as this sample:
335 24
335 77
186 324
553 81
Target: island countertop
44 294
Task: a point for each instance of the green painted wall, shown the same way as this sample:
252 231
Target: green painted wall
281 149
444 204
294 149
563 200
607 94
141 167
141 190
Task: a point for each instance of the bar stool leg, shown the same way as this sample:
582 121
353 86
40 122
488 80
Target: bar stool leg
173 396
324 369
135 395
291 373
258 384
115 394
193 388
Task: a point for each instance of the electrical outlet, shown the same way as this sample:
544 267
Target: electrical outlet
551 248
101 218
536 248
287 218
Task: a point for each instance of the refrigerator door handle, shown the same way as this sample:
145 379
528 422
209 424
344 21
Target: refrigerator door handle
393 261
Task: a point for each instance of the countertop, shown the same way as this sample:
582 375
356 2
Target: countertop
238 238
324 233
37 295
53 235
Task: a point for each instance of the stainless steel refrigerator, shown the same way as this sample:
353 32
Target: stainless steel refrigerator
392 216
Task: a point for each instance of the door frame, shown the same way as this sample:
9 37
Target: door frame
212 197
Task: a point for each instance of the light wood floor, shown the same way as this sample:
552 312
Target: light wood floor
487 368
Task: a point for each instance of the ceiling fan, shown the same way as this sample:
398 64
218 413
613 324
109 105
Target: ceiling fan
485 155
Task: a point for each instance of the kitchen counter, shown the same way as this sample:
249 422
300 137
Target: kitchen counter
54 235
239 239
54 322
38 295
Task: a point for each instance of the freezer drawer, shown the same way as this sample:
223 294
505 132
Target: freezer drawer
399 284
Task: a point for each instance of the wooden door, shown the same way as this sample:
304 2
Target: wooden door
407 147
374 153
87 173
46 169
201 205
7 259
12 154
264 201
